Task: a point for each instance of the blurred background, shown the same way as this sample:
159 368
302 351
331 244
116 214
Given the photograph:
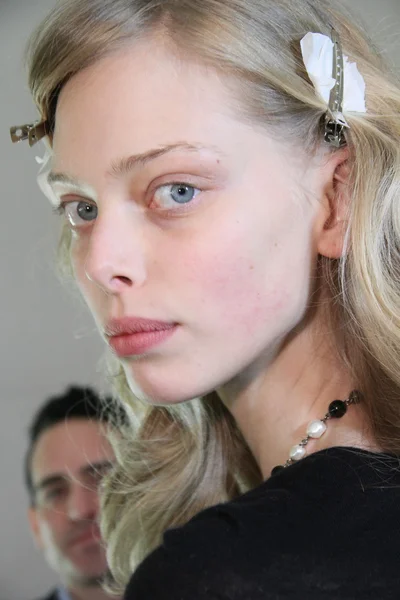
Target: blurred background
47 337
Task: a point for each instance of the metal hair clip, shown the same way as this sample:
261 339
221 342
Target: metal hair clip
33 132
335 122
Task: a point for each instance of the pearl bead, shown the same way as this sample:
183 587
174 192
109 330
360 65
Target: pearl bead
316 428
297 452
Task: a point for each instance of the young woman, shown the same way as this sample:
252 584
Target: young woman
229 173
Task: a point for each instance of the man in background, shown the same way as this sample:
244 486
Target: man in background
67 456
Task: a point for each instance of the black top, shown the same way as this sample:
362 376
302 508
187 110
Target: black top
327 527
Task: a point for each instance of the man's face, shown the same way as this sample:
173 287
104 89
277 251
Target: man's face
68 462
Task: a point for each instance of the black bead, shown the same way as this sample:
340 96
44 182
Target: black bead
277 469
337 409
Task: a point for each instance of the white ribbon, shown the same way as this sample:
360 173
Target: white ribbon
317 51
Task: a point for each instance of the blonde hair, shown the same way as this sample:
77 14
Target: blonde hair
178 460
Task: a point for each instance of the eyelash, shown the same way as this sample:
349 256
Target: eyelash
58 210
180 210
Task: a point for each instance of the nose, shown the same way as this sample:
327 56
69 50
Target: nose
83 503
115 254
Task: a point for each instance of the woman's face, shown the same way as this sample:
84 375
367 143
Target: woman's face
182 214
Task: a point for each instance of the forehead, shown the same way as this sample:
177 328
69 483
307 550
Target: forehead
67 447
136 99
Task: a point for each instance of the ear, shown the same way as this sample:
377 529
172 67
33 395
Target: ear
33 519
335 204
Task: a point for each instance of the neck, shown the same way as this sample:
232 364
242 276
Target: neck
273 403
94 592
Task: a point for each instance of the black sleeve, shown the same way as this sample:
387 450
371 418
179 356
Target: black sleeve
193 563
160 577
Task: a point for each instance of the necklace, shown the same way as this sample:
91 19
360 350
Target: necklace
316 429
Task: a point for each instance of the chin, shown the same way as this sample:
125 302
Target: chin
160 389
85 576
90 563
88 580
90 574
158 395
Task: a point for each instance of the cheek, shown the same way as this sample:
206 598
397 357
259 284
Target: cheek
48 528
243 293
52 545
92 294
254 276
77 256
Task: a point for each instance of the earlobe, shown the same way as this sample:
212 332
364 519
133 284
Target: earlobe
336 203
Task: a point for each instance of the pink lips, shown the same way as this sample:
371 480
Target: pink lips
133 336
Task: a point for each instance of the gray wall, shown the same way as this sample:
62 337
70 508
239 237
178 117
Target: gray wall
47 338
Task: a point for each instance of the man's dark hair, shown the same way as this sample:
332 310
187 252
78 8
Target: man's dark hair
75 403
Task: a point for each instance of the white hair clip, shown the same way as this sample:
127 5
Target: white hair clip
337 81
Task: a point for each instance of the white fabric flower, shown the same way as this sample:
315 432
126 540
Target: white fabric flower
317 51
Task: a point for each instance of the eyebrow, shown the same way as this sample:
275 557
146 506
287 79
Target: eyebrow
124 166
94 468
55 479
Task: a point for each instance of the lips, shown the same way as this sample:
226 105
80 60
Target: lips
87 536
132 336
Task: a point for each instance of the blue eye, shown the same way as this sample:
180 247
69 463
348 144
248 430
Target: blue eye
168 196
182 193
86 211
79 212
